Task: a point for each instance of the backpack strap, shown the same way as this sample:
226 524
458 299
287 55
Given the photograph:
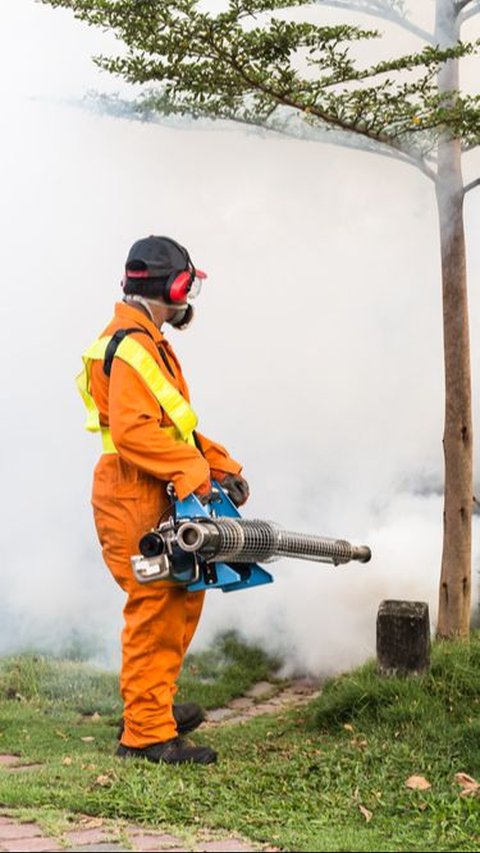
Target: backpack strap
112 346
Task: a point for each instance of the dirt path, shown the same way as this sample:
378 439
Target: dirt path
96 834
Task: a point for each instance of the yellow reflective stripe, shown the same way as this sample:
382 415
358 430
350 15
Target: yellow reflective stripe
97 349
176 407
107 441
83 384
94 351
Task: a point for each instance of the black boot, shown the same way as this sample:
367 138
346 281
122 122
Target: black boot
174 751
188 717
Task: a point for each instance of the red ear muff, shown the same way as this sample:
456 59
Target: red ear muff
177 291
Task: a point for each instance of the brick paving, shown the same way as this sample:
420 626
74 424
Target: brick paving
16 836
262 698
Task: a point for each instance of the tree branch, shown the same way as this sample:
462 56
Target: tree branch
471 186
382 143
334 121
347 139
470 13
135 110
376 10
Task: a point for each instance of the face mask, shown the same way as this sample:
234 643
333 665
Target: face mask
182 318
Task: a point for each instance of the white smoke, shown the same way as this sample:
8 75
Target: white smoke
316 355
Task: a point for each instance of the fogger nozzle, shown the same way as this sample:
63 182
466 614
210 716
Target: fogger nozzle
362 553
245 541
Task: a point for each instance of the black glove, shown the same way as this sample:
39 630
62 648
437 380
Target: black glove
236 488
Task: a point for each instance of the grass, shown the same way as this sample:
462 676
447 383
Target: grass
330 776
211 678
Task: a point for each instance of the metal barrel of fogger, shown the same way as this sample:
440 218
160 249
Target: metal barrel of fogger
248 541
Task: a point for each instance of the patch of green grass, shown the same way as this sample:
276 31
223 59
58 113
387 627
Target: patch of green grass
437 711
64 684
451 686
211 678
330 776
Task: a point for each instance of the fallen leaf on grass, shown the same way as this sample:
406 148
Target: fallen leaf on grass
348 727
91 822
470 786
418 783
87 739
86 822
104 780
94 718
67 760
366 813
61 734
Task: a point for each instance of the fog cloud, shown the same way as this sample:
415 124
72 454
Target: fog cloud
316 355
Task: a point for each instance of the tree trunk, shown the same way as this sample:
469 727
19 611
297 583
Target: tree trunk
455 580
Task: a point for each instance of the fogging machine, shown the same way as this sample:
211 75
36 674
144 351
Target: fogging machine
212 547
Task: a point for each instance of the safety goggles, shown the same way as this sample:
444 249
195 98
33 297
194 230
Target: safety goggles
196 285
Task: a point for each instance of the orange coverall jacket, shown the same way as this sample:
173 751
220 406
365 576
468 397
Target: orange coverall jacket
128 499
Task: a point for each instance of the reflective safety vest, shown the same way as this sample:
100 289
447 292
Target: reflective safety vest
133 353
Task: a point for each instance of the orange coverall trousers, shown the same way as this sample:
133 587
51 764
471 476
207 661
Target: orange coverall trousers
128 499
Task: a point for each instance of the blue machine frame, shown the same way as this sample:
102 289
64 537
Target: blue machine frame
228 577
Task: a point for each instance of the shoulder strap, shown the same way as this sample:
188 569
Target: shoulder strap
131 351
112 346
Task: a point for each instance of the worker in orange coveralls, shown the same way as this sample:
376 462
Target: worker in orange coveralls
137 398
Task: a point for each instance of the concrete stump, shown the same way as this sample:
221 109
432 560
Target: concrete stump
403 637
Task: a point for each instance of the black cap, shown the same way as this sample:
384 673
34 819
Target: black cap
150 263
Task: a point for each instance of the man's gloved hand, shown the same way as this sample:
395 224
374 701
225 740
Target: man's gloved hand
204 492
236 488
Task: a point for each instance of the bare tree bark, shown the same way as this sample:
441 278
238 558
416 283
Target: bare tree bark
455 580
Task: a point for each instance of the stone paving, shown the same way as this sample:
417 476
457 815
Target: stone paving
110 836
263 698
95 834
